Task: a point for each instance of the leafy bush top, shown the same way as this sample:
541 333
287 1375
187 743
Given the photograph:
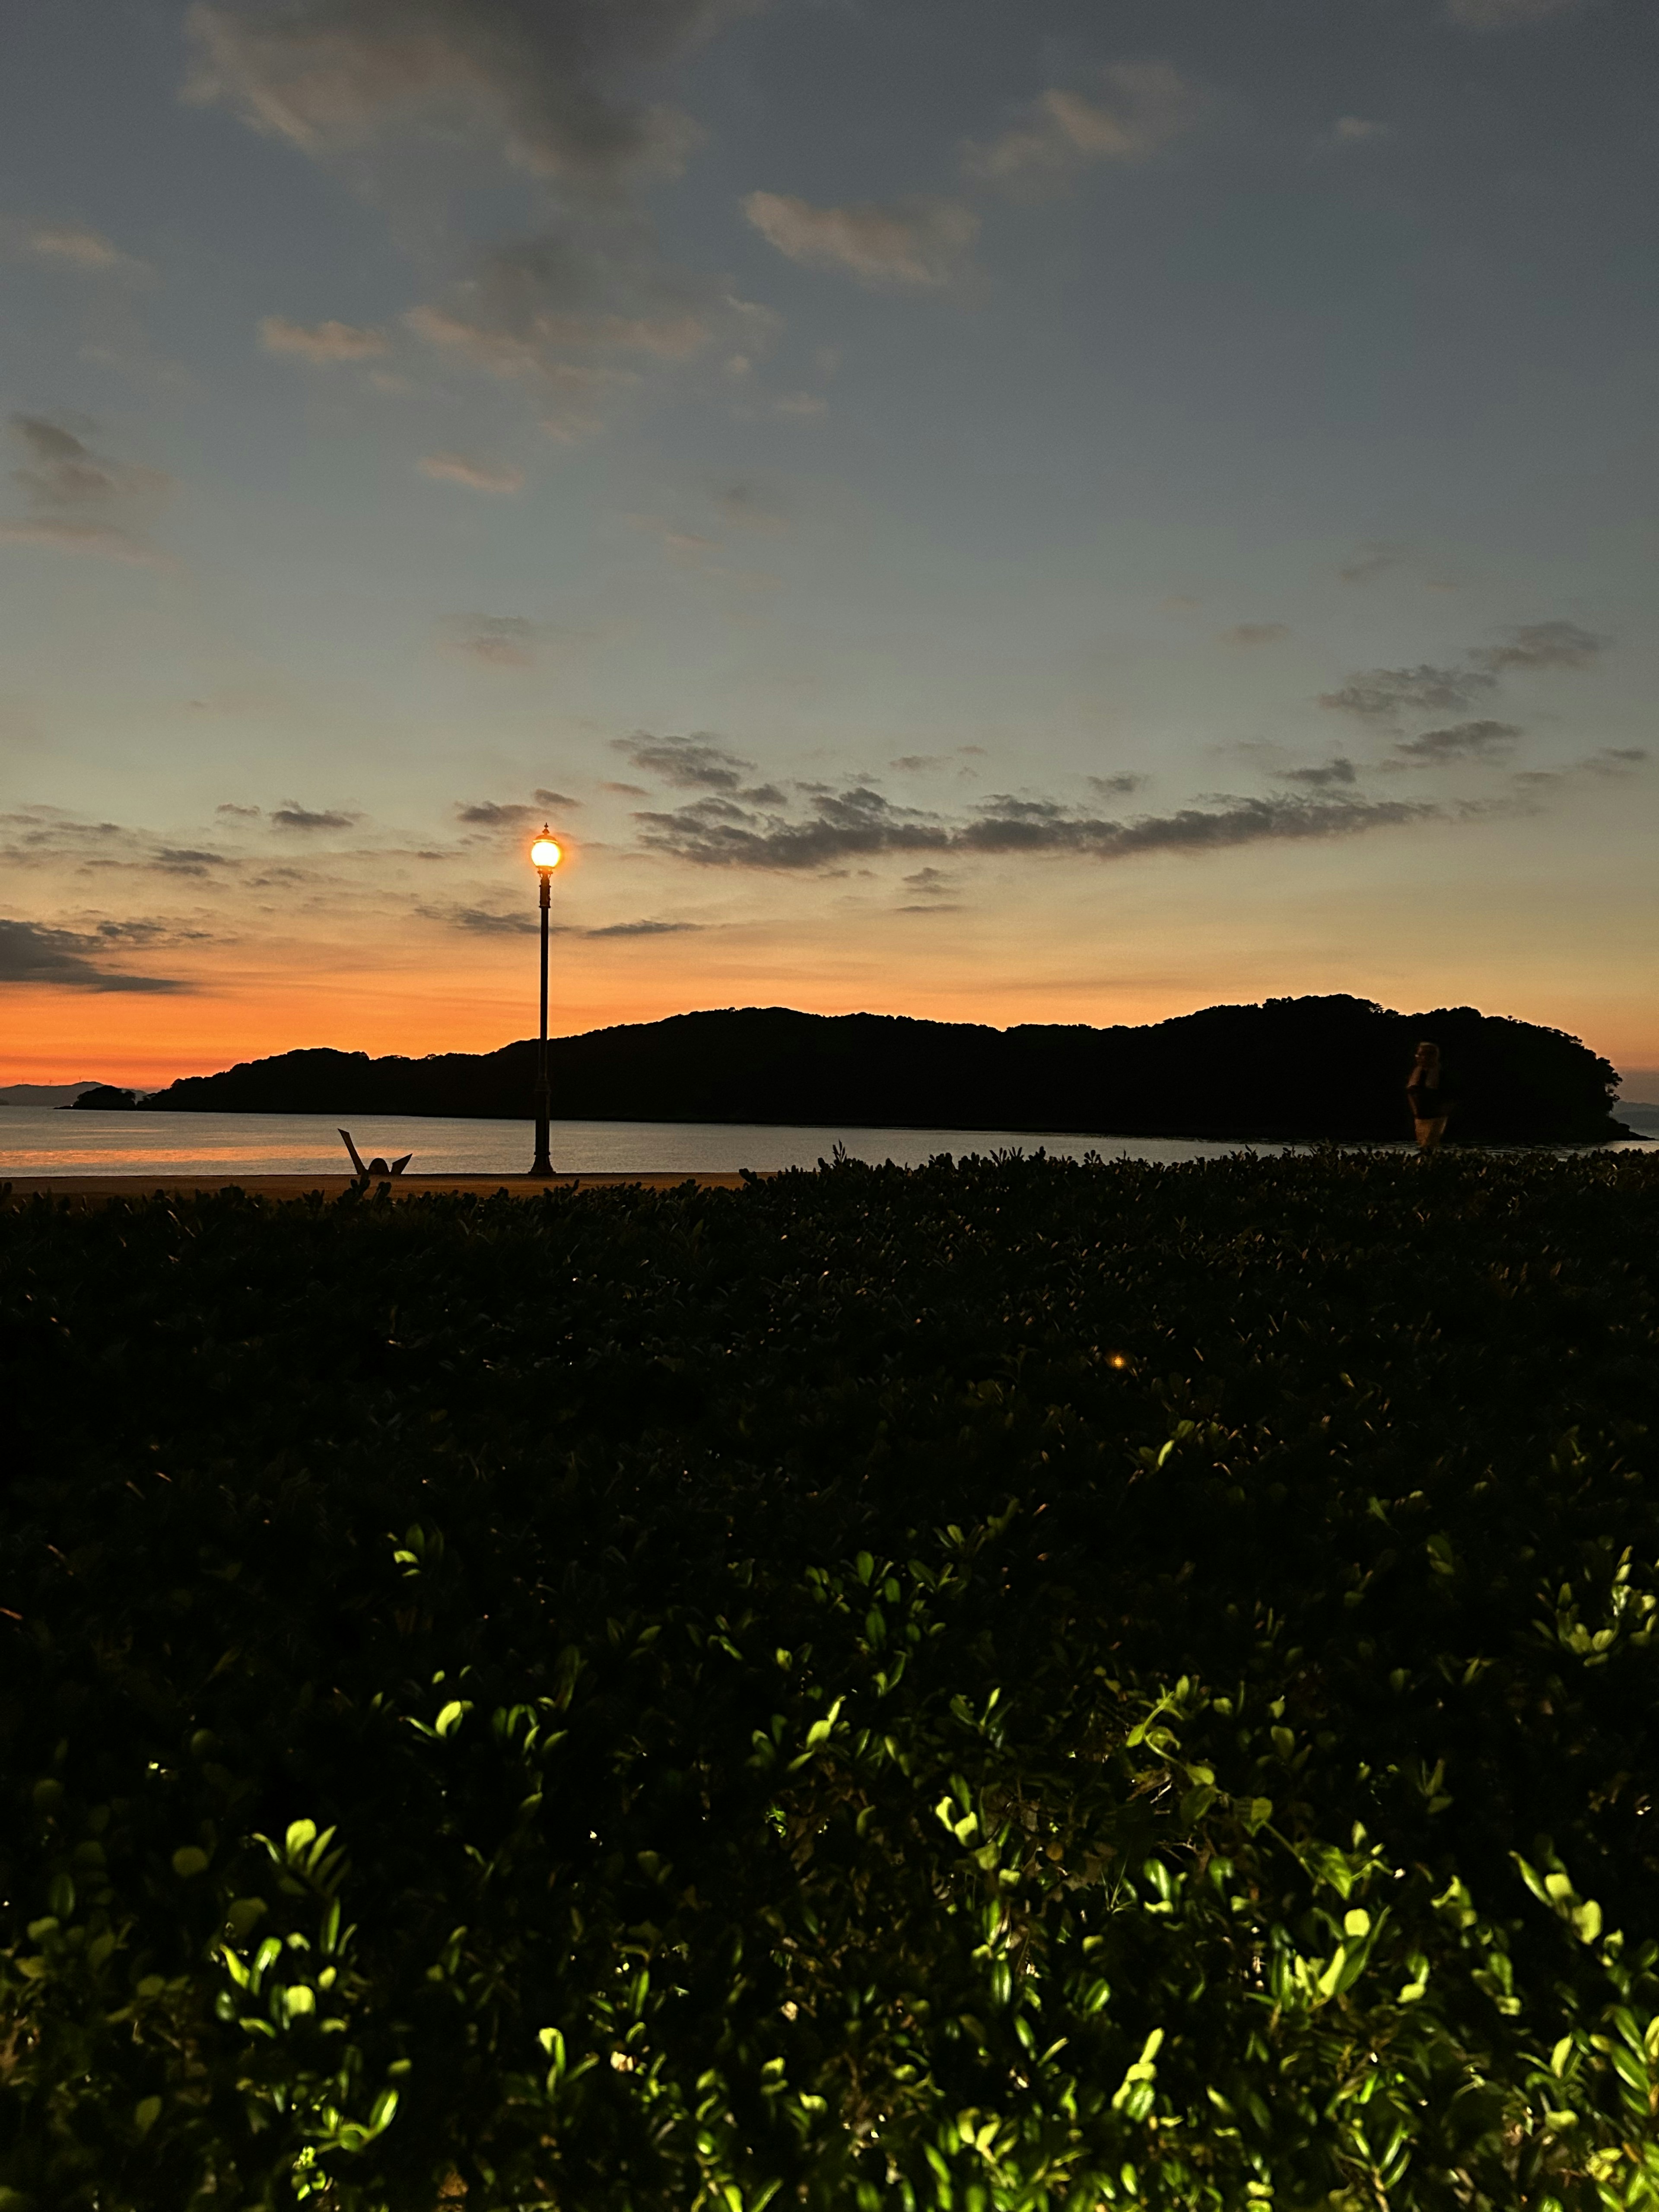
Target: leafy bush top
1018 1685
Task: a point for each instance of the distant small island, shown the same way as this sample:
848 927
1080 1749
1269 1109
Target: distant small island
106 1098
1309 1067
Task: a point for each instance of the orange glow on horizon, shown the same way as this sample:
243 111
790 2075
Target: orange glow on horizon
55 1034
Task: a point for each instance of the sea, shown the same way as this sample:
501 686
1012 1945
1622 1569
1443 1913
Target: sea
38 1139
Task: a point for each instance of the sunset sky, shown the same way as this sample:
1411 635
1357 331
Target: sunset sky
1005 510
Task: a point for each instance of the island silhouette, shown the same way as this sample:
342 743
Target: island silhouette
1333 1066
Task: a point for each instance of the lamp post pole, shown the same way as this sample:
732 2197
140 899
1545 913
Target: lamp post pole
545 854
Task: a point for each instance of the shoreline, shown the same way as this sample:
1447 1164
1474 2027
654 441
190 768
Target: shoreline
105 1186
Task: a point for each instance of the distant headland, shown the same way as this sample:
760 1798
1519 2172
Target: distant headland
1309 1067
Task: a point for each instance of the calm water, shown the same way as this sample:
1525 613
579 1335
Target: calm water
35 1140
42 1141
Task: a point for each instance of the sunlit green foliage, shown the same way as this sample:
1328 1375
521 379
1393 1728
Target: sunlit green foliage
998 1688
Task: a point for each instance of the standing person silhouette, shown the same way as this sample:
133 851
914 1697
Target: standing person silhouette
1428 1101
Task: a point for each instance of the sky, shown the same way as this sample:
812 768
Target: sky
1001 510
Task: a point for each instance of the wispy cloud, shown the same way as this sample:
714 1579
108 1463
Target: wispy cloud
295 817
860 823
32 953
698 762
477 476
321 344
513 814
1543 645
1247 634
498 640
74 247
540 84
483 921
1357 131
561 91
54 535
79 500
189 861
643 929
917 243
488 814
1328 774
1382 694
1385 694
1374 559
1142 106
1459 742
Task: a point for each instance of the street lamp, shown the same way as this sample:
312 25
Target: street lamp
545 855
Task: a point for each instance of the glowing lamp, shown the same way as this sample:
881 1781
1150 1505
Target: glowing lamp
545 854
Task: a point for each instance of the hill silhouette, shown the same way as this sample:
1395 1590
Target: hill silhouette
1331 1066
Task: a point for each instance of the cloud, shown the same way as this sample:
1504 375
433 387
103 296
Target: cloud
1357 131
540 83
245 813
699 763
481 921
860 824
499 641
557 89
187 861
478 922
1255 634
1502 14
1372 561
1615 761
1337 770
570 312
48 835
749 507
63 473
486 814
59 537
295 817
1114 787
73 247
1380 694
918 242
801 403
80 502
321 344
1543 645
1145 105
478 476
518 344
1462 741
74 243
32 954
554 799
642 929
